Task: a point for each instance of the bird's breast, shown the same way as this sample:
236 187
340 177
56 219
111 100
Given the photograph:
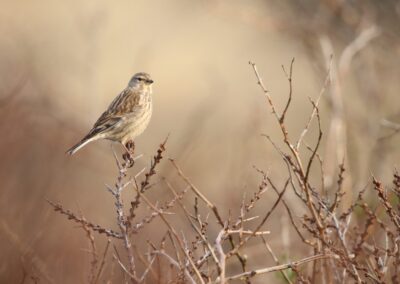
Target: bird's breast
138 121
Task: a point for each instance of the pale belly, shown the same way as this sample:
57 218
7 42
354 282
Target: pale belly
131 126
136 127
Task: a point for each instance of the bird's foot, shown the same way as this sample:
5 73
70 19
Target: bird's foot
128 155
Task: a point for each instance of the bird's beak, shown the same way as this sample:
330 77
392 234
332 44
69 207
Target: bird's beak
150 81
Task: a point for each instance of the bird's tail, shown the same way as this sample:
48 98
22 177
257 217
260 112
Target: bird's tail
87 139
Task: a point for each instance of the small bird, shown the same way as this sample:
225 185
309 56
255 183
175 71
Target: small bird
126 117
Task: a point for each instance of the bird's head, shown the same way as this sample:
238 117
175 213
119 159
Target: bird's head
141 81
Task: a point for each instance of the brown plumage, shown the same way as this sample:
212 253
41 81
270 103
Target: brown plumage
126 117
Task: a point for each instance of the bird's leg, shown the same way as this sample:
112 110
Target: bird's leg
128 155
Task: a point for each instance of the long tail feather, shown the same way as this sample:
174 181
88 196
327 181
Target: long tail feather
81 144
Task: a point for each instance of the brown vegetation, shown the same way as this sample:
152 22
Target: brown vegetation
344 245
314 198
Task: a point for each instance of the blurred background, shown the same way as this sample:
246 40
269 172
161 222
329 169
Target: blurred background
62 62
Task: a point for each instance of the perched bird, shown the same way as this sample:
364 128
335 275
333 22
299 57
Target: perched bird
126 117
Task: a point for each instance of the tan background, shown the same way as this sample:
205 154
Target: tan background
62 62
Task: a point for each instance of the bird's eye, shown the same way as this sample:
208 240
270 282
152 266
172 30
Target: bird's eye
139 79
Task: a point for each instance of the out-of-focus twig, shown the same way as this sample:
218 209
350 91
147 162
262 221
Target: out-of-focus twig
395 127
280 267
360 42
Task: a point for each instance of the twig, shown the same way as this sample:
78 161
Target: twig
279 267
103 261
314 111
222 256
289 77
275 259
198 231
93 252
356 46
298 167
176 264
81 221
172 230
233 251
211 206
119 186
266 92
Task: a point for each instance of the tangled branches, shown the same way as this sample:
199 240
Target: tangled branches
358 243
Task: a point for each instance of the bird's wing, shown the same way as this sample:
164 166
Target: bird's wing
123 105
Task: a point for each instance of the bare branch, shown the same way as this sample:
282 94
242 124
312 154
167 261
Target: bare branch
280 267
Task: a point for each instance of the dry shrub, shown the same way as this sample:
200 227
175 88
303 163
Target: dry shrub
345 243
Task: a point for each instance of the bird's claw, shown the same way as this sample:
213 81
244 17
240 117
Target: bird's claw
128 155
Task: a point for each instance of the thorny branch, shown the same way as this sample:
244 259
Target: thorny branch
346 245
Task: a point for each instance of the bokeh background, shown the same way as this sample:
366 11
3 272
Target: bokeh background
62 62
